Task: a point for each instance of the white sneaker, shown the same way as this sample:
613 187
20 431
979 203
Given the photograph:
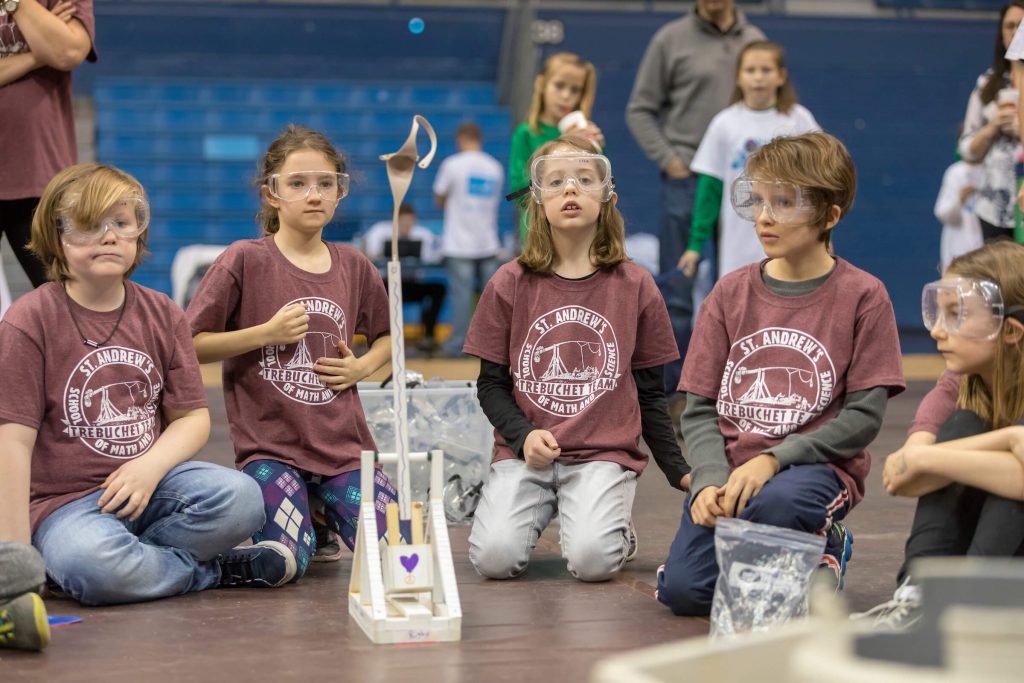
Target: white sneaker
898 614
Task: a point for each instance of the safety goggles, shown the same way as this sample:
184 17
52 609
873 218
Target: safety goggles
128 219
590 173
786 202
967 307
295 187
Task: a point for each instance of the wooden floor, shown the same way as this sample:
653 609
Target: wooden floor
544 625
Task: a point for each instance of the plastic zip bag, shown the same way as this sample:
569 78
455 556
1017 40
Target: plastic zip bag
764 575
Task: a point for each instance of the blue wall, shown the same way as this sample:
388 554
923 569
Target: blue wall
893 90
296 41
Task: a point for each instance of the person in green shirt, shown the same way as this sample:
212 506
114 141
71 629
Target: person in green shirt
566 84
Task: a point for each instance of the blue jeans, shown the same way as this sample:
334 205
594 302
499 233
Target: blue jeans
465 276
804 497
677 198
198 511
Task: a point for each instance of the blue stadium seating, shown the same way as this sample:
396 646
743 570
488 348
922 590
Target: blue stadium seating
195 144
992 5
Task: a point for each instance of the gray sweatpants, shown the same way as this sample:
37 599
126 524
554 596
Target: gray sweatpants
21 570
594 501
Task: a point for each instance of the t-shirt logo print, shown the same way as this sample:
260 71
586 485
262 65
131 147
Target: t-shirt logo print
290 367
110 402
775 381
569 360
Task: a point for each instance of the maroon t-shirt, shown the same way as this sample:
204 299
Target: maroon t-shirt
94 408
37 124
572 346
938 405
780 365
277 407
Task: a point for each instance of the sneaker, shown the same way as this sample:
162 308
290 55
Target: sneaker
657 579
898 614
838 537
23 623
267 564
328 547
633 547
427 345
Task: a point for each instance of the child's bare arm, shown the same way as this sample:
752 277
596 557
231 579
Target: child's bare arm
288 326
911 484
993 461
128 488
16 443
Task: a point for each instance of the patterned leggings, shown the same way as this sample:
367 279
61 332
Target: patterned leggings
286 494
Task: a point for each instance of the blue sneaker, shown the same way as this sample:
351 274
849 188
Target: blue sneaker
267 564
838 552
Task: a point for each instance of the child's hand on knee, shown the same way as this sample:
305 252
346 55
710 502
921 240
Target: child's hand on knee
540 448
129 488
706 508
746 481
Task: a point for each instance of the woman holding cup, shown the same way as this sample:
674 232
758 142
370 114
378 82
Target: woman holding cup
992 132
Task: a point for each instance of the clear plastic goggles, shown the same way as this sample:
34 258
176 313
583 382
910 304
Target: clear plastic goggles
551 174
786 202
295 187
128 219
965 306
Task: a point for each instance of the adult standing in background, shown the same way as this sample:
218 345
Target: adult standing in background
992 132
41 42
468 188
686 77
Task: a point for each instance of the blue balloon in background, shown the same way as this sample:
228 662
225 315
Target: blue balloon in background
416 25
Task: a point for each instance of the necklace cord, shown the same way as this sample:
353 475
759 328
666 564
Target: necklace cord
89 342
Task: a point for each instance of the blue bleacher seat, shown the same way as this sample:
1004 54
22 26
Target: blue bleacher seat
195 146
991 5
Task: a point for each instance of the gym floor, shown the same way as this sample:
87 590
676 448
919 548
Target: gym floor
544 624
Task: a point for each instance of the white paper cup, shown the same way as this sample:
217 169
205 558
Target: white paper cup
1006 96
575 119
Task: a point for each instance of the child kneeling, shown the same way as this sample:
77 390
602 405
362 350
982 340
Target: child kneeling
792 362
571 338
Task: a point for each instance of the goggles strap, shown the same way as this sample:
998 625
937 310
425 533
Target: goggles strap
517 194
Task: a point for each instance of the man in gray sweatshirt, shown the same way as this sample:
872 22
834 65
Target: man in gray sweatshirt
686 77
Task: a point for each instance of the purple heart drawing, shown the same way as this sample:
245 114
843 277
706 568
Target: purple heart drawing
409 561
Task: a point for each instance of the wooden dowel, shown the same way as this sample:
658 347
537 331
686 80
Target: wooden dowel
394 535
416 522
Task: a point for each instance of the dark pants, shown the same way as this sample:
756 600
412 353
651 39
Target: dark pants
677 198
430 296
961 520
991 232
805 497
16 223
